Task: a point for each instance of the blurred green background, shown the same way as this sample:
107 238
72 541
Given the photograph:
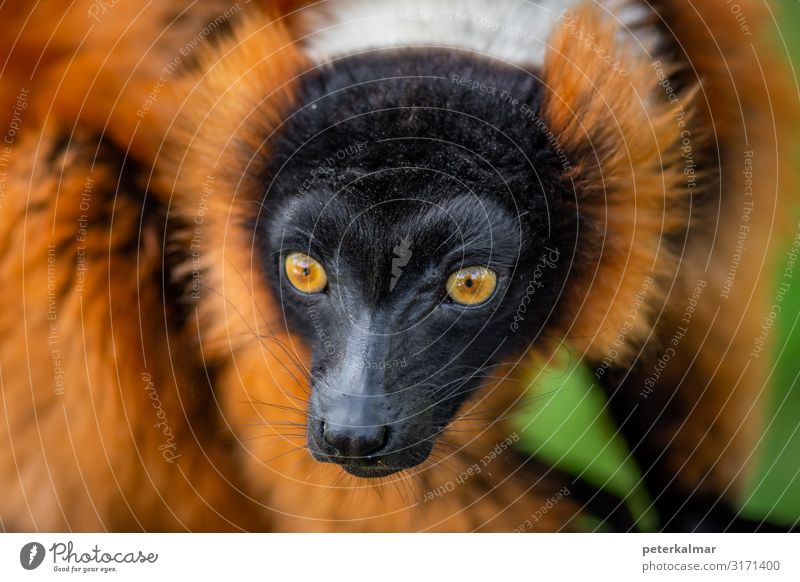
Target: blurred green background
565 424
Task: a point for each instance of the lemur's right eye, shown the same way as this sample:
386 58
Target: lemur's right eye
305 273
472 285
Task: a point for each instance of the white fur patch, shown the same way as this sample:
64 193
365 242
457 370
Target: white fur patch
516 31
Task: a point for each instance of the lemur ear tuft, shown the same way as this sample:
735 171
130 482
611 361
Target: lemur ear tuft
622 137
223 113
221 116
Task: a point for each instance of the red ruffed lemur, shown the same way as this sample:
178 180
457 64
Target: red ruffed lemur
288 266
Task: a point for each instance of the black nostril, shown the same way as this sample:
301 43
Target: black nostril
352 441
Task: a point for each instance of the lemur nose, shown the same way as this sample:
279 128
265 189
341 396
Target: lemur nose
355 441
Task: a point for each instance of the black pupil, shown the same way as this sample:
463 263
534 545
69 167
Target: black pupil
468 282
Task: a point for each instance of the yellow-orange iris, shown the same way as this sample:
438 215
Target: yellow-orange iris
305 273
472 285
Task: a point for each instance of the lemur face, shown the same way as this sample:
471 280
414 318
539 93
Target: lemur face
417 236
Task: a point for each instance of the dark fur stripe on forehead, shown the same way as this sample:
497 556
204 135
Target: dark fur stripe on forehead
473 103
423 124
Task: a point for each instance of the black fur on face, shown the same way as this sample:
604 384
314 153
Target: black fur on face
393 175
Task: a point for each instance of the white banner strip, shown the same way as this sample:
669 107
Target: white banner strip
399 557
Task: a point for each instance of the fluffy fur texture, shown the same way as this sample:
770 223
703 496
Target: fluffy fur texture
151 391
511 30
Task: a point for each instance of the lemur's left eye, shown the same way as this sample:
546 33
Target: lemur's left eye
471 285
305 273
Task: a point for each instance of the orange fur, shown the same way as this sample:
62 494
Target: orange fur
621 140
627 138
90 458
